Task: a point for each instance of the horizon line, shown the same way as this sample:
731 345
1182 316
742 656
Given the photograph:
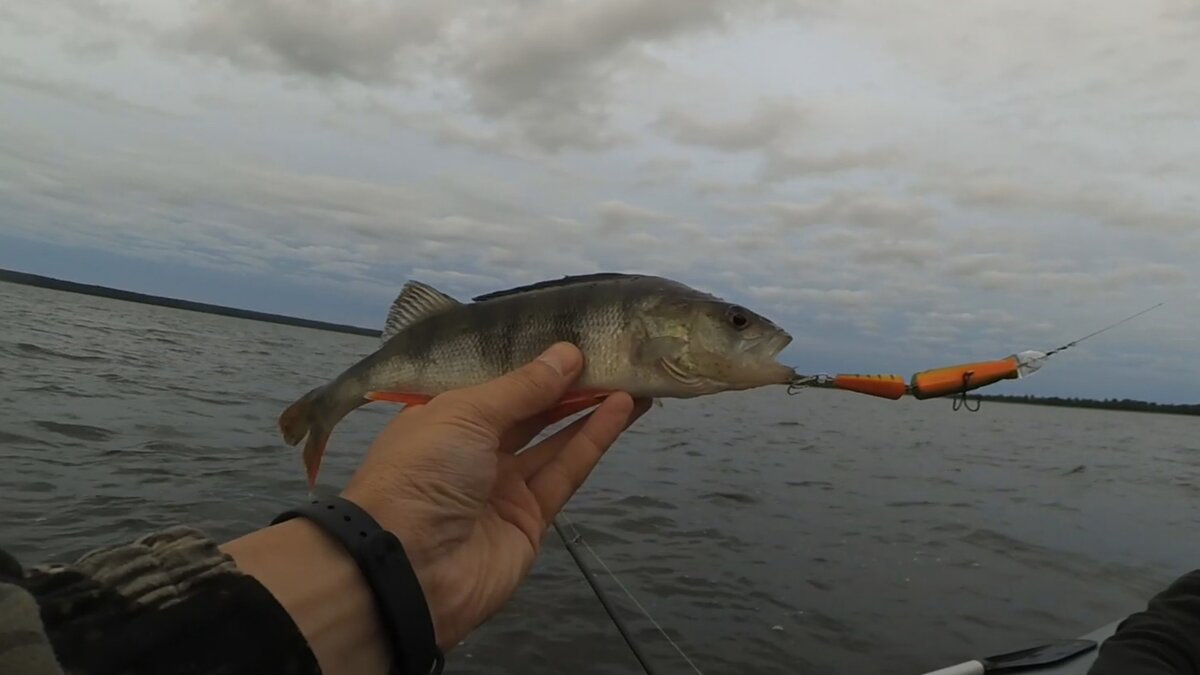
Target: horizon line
97 290
55 283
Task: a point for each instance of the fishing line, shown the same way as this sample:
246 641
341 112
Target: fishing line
1110 327
587 575
621 627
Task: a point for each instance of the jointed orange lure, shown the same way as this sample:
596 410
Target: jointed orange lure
949 380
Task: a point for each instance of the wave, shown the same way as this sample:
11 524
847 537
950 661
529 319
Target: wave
83 432
35 350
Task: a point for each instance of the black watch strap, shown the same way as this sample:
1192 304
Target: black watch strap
394 584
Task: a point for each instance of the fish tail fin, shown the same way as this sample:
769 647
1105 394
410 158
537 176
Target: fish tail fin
313 415
296 421
314 450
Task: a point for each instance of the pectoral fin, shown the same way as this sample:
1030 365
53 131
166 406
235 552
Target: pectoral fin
398 397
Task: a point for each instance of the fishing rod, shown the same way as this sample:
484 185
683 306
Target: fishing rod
569 543
955 380
622 628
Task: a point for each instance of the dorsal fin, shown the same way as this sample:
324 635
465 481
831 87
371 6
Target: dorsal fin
415 302
553 283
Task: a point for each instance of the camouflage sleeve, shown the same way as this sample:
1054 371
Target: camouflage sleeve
168 602
1163 639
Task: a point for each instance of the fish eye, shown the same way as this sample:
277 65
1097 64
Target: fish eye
737 317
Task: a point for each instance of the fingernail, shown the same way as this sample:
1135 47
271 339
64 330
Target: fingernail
559 357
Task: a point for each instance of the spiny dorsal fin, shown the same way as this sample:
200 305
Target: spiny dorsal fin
415 302
568 280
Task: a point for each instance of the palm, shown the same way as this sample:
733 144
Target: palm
472 507
501 546
513 514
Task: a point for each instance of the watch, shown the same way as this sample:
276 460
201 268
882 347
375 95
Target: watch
394 585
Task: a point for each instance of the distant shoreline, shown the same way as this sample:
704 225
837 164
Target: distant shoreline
40 281
1127 405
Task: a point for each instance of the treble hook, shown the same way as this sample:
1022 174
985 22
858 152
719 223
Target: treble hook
803 381
961 401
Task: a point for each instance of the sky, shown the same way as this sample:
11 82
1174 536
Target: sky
902 185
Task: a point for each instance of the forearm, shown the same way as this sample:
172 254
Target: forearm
169 602
1162 640
24 646
319 585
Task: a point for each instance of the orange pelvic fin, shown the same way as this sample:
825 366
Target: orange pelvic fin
883 386
398 397
963 377
573 402
584 395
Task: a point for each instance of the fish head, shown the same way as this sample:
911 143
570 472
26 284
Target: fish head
723 346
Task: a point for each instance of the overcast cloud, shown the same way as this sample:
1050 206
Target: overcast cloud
900 184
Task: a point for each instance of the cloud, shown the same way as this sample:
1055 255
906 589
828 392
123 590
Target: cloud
448 130
857 209
1135 272
618 216
782 131
807 296
355 40
453 280
771 122
661 170
92 31
77 92
1101 201
896 180
545 71
781 165
554 74
234 211
152 198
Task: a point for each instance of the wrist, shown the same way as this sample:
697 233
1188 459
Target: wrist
318 583
380 557
424 549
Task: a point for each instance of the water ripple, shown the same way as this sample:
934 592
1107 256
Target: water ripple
31 350
83 432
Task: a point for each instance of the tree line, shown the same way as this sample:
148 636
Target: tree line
1103 404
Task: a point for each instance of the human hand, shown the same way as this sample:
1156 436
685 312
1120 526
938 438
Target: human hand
447 479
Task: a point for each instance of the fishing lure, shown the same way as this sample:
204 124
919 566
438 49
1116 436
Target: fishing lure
955 380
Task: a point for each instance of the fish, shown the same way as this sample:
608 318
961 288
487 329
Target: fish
649 336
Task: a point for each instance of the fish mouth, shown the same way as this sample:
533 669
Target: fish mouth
758 365
768 345
777 343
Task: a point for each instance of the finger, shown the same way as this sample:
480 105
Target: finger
528 462
561 475
525 391
518 436
533 459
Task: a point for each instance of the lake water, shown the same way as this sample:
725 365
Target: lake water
821 533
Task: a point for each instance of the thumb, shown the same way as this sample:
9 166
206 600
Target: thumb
528 390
